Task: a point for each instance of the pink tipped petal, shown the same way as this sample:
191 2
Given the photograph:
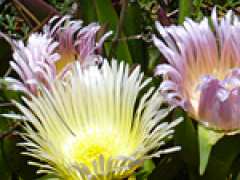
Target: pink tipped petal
166 35
168 70
168 86
99 44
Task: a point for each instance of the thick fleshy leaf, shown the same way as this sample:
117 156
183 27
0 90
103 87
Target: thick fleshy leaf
88 13
234 170
133 25
170 167
48 177
17 162
5 171
146 170
107 14
186 137
222 157
185 9
5 55
207 139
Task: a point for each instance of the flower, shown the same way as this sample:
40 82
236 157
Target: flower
34 63
75 42
203 74
49 54
87 126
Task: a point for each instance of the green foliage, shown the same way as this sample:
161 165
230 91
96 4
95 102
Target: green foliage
61 5
132 28
186 137
146 170
11 23
185 8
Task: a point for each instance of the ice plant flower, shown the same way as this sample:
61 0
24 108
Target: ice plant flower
48 54
91 126
75 42
203 74
34 63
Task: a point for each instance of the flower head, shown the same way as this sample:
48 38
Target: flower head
203 74
49 54
34 63
88 128
76 43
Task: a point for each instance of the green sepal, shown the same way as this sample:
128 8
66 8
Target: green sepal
207 139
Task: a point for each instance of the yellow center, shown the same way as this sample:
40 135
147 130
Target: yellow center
86 151
88 147
191 86
66 59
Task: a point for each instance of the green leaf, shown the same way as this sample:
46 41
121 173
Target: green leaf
186 137
146 170
5 56
235 171
5 172
154 58
48 177
107 14
16 161
88 13
197 4
170 163
222 157
185 10
133 26
207 139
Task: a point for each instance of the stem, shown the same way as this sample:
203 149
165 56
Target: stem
16 4
38 27
6 104
27 12
9 70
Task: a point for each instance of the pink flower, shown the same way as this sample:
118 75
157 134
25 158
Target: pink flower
75 42
48 55
34 63
203 74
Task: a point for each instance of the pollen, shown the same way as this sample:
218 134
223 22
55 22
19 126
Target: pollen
86 153
89 147
67 57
